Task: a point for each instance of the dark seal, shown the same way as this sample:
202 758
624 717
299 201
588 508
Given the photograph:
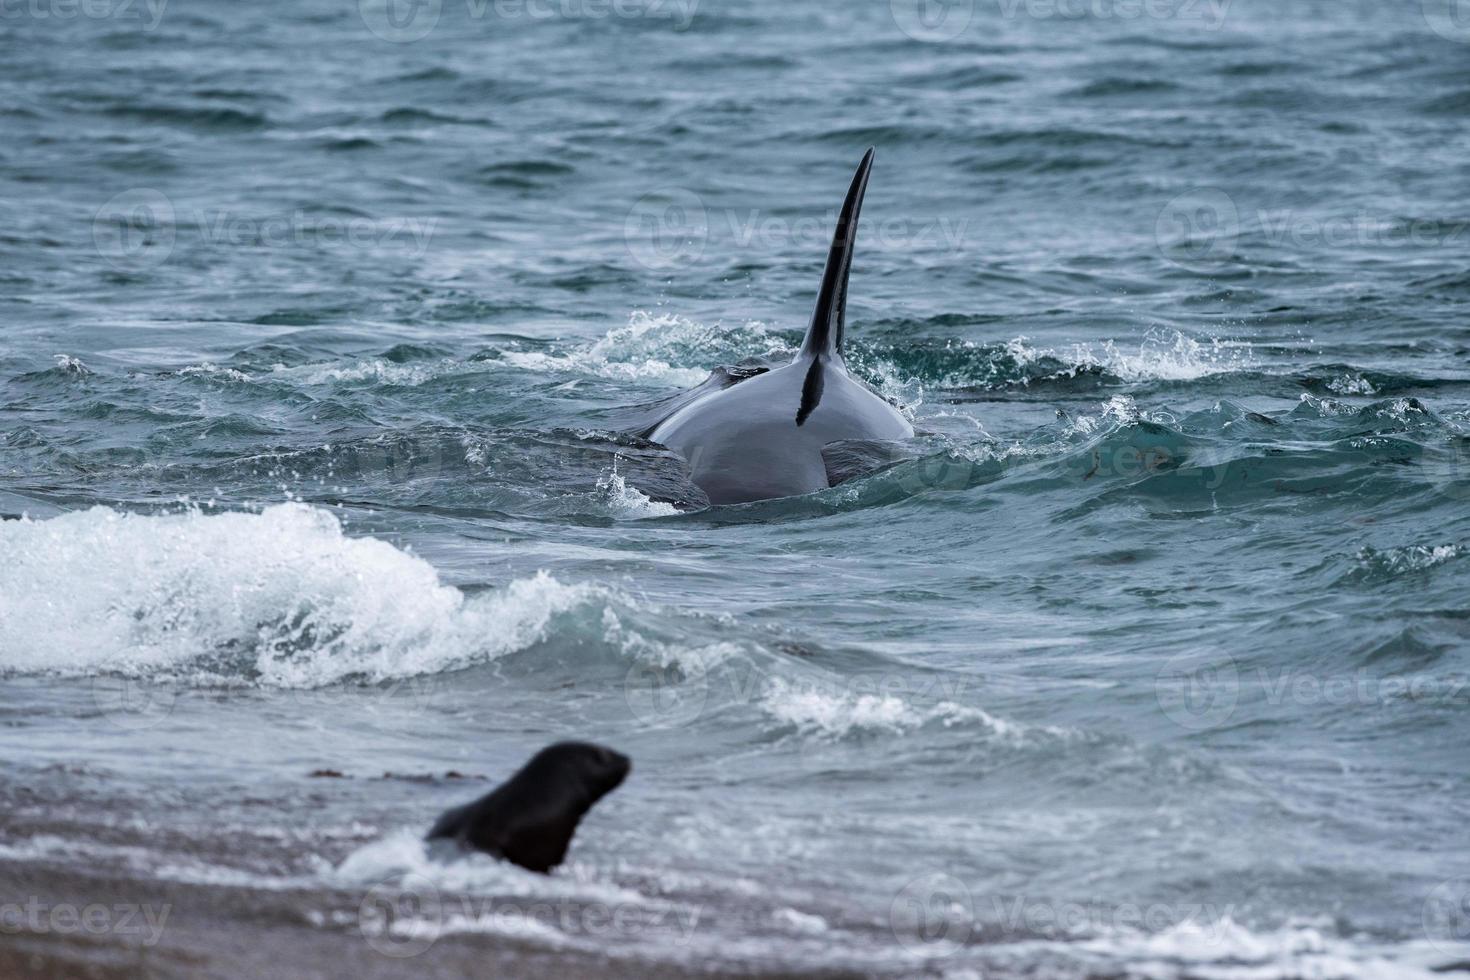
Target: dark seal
530 819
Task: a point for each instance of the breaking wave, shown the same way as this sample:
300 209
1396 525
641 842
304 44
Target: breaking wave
280 598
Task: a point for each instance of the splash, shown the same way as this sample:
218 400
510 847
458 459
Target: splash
664 348
1220 947
67 364
379 371
816 710
405 854
279 598
629 503
1375 565
1167 356
1351 384
210 369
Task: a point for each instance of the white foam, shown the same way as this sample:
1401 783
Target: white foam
629 503
800 922
210 369
404 856
1311 406
1351 384
660 348
906 394
1118 410
677 338
813 709
43 846
1162 355
1173 356
649 369
1407 559
514 925
1226 950
663 348
468 892
139 860
71 365
691 660
282 597
385 372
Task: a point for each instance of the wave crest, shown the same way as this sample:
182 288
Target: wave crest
279 598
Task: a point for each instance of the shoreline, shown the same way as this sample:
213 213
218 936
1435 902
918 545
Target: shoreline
214 931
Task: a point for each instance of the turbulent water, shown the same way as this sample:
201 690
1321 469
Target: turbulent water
324 331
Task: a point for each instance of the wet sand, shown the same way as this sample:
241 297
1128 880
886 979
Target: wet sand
231 932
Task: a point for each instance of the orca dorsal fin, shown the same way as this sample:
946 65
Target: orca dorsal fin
824 335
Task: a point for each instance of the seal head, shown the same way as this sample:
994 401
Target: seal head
530 819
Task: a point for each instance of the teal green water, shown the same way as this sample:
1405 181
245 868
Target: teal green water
319 338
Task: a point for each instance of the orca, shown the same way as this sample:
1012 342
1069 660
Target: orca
530 819
763 435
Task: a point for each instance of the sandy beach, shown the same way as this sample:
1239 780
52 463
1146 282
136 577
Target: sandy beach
219 933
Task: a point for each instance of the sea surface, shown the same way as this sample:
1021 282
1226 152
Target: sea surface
324 332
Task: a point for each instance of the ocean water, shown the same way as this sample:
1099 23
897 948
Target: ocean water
322 329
